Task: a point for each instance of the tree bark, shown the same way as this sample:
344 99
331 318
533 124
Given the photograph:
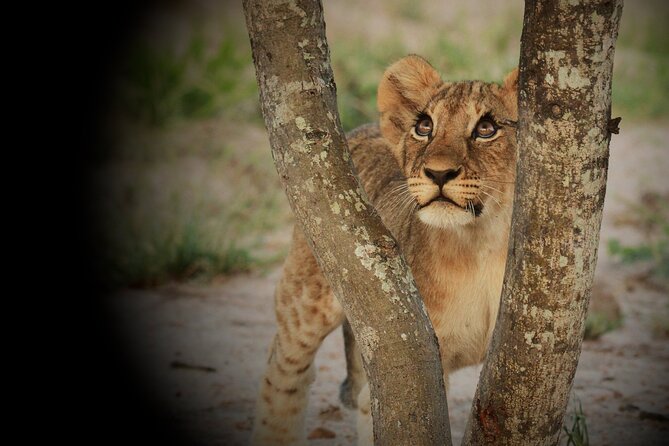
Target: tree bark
357 254
566 65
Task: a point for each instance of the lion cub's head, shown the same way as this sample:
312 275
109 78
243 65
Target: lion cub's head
455 142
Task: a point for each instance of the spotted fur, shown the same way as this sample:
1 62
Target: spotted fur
453 235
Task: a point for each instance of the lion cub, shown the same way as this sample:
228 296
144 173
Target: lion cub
439 168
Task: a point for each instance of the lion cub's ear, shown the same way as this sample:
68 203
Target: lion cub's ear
510 92
405 89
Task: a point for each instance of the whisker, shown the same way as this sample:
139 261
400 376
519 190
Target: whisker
490 187
403 204
506 211
406 204
402 183
470 206
396 200
494 179
386 205
398 187
394 194
413 205
498 181
492 197
399 205
399 200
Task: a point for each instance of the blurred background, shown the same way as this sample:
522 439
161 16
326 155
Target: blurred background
180 211
185 141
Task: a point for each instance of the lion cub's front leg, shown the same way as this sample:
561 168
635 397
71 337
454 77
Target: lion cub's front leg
306 312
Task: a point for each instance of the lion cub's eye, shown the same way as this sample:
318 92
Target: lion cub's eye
424 126
485 129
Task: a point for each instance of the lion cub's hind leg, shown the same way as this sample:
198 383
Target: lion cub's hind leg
355 374
364 422
306 312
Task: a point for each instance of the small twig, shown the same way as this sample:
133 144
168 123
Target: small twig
612 126
183 365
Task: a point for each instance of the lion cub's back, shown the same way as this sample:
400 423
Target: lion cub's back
375 165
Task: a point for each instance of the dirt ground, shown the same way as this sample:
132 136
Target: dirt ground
201 350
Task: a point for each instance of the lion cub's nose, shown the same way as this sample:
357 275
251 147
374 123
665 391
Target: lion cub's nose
441 177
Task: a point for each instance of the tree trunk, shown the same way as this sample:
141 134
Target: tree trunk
357 254
563 138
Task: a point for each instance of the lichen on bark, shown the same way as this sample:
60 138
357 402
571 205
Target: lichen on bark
564 112
356 253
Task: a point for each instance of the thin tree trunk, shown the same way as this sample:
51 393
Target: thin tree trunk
357 254
563 138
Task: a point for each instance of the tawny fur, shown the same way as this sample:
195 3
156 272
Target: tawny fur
456 250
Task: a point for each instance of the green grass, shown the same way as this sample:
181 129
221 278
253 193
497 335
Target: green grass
641 69
183 253
577 431
206 79
194 201
651 215
149 243
598 323
641 252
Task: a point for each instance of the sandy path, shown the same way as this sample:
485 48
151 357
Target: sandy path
202 350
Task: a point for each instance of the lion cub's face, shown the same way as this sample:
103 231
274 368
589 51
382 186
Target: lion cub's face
455 142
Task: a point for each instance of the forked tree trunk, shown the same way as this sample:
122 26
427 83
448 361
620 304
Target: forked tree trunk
355 251
563 139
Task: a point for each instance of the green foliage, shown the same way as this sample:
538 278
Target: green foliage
641 87
599 323
651 215
630 254
161 84
577 434
154 78
357 74
641 69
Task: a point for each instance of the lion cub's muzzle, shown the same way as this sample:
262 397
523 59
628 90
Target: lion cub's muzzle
450 186
441 177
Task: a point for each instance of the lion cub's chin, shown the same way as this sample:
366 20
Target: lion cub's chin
436 215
